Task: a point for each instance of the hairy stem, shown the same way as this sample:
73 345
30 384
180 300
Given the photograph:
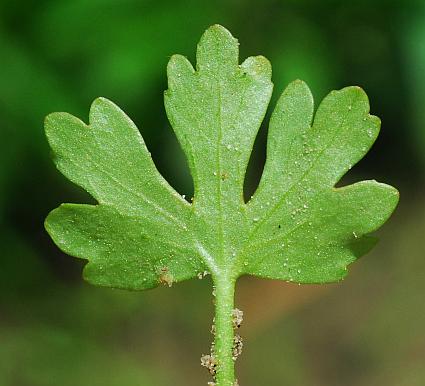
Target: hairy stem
224 333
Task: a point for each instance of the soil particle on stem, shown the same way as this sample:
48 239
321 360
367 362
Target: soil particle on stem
237 317
237 347
209 362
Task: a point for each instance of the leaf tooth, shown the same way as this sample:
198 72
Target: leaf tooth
257 66
178 69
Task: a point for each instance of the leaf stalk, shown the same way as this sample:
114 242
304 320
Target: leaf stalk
224 291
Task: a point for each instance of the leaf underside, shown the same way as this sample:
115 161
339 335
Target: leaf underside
296 227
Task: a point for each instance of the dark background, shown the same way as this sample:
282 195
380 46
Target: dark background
56 330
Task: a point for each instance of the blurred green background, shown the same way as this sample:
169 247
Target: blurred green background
59 55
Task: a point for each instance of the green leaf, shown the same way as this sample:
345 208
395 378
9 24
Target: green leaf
297 226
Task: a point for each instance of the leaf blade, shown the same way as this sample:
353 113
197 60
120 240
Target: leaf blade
215 110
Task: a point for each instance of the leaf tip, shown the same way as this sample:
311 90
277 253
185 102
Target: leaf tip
217 35
219 30
218 50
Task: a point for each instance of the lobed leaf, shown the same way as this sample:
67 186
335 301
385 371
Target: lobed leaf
296 227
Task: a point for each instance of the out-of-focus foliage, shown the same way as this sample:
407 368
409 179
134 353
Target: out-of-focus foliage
413 57
59 55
